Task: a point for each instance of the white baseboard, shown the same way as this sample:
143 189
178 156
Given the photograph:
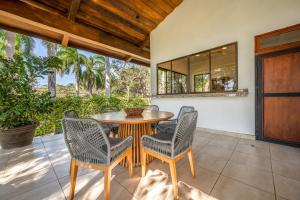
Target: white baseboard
232 134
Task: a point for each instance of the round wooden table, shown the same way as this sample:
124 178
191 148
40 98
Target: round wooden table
134 126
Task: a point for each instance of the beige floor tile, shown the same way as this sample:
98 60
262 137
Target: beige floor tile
90 187
287 169
157 164
16 184
204 179
255 161
27 164
230 189
153 186
227 144
255 177
27 150
190 193
198 145
52 137
45 192
253 150
210 162
287 188
285 148
280 198
286 154
256 143
216 151
130 183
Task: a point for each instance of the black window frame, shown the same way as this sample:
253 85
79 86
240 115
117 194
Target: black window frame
188 78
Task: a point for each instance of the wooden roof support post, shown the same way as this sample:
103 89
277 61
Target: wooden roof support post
65 40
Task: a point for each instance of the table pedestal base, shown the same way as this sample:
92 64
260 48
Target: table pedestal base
136 131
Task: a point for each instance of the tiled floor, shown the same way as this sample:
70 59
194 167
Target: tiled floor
226 168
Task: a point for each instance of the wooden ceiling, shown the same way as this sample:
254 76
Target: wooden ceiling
117 28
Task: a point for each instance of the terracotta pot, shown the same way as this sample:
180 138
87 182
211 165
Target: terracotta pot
17 137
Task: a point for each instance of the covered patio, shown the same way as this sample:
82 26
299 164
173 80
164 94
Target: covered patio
236 63
226 168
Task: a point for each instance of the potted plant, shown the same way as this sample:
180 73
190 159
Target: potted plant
20 103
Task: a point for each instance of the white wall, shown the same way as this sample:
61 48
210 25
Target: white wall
197 25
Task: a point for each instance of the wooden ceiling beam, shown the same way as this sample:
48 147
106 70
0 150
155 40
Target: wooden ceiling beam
113 21
144 10
37 17
44 7
126 13
73 9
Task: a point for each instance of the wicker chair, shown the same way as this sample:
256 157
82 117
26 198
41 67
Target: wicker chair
170 125
90 147
172 147
152 107
71 114
114 128
74 114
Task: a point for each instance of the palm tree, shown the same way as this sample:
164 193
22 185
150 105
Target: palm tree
72 63
51 51
2 44
107 76
11 42
24 44
93 75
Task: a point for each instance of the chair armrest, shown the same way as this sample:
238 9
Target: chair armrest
147 137
127 140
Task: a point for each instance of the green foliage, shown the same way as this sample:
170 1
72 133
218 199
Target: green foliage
19 102
85 106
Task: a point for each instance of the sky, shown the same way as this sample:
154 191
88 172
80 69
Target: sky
40 50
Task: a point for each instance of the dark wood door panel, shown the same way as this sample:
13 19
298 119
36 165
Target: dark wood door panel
282 118
282 73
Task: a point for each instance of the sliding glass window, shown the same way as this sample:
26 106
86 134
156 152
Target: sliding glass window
199 72
213 70
164 78
224 69
179 75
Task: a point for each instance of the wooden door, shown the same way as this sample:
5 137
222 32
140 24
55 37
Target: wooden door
281 96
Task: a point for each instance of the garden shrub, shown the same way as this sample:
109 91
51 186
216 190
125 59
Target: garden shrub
84 106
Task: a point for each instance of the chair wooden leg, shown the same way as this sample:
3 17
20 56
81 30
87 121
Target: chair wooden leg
143 161
172 164
191 160
130 164
73 176
107 175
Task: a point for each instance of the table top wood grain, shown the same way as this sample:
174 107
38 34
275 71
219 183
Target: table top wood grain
121 118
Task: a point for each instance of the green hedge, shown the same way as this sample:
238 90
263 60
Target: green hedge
85 106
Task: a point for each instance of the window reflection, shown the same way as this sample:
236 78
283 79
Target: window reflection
179 75
223 68
164 78
199 72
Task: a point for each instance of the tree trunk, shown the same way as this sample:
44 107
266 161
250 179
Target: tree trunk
10 39
107 77
51 50
90 91
77 86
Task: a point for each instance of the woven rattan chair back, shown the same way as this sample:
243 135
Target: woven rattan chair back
71 114
184 133
185 109
152 107
86 141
